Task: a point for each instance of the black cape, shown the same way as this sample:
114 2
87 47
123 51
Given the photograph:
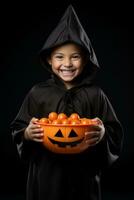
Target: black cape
55 176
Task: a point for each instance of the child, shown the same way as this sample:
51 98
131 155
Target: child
69 56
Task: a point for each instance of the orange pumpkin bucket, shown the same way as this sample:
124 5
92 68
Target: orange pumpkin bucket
66 137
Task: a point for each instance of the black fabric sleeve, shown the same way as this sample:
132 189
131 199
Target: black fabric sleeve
19 124
111 145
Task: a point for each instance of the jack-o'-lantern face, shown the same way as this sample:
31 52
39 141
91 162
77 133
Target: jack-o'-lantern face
70 143
64 139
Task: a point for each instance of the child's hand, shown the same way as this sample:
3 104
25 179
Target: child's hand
95 136
34 132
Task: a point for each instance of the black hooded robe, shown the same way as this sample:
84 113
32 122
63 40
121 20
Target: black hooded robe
57 176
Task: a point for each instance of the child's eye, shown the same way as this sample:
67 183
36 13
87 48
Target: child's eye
76 57
59 57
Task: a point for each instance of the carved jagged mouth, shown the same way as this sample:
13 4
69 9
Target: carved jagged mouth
64 144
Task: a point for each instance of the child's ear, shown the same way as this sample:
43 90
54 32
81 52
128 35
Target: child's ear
49 60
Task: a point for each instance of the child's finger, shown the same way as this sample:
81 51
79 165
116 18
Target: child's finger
38 139
37 130
34 120
92 141
37 135
93 134
34 126
95 127
98 120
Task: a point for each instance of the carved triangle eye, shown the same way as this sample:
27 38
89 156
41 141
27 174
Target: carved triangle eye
59 134
72 134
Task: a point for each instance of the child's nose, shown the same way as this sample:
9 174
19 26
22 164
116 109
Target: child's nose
67 62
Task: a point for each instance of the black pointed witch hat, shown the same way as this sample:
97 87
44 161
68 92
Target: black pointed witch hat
69 29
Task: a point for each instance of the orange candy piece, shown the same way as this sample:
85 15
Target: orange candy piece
52 116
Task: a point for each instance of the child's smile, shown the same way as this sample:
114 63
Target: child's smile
67 73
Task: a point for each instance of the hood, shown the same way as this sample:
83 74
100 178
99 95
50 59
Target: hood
69 29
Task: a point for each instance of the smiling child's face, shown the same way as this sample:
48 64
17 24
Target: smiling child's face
67 62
